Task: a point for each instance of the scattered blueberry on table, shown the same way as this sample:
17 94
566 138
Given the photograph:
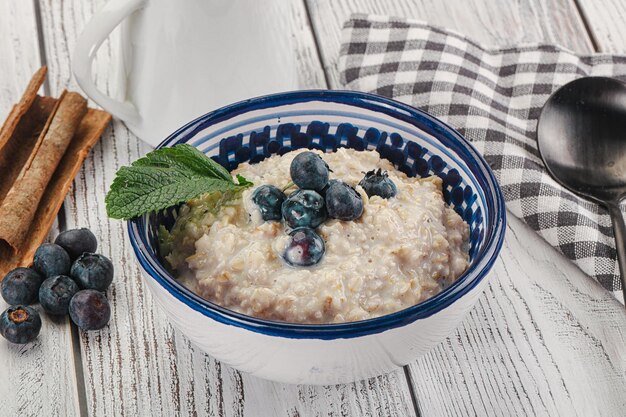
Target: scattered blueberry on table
51 260
90 310
20 324
92 271
55 294
77 241
67 277
21 286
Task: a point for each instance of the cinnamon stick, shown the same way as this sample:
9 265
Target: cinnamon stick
25 103
19 146
88 133
21 202
34 145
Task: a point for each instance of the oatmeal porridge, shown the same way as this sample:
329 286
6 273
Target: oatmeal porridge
396 251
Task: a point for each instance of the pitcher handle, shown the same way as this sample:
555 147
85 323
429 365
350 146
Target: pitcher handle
97 30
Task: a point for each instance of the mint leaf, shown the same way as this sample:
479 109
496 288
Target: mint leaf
185 158
166 177
243 182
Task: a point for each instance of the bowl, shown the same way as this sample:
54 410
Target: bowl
417 144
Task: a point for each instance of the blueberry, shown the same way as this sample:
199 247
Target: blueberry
55 294
90 310
93 271
77 241
309 171
325 189
378 183
304 208
21 286
20 324
269 200
305 247
51 260
343 202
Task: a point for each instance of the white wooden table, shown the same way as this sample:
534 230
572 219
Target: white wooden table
544 339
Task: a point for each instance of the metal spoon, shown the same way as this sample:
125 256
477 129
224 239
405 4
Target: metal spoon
581 135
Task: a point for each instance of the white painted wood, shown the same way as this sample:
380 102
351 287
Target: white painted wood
140 365
19 51
545 339
606 23
506 22
30 374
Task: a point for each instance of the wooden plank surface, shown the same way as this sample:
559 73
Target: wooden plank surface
605 20
544 339
506 22
19 51
30 374
140 365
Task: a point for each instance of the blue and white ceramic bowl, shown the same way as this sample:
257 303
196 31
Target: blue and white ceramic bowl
417 144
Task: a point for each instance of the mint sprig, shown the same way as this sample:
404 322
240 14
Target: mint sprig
166 177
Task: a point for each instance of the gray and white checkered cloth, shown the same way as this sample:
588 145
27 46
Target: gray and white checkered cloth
493 97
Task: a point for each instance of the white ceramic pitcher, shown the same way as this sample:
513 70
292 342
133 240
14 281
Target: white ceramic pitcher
184 58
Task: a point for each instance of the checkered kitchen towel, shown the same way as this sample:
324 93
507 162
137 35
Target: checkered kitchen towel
493 97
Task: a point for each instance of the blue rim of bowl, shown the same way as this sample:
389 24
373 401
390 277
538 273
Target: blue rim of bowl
464 284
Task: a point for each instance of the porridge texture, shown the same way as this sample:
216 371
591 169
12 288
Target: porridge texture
401 251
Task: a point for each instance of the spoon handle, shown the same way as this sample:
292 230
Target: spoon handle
619 229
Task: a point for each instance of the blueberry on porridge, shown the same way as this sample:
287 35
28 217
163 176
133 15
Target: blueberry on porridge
269 200
304 208
377 182
343 202
309 171
304 248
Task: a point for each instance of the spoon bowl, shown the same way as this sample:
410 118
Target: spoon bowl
581 135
